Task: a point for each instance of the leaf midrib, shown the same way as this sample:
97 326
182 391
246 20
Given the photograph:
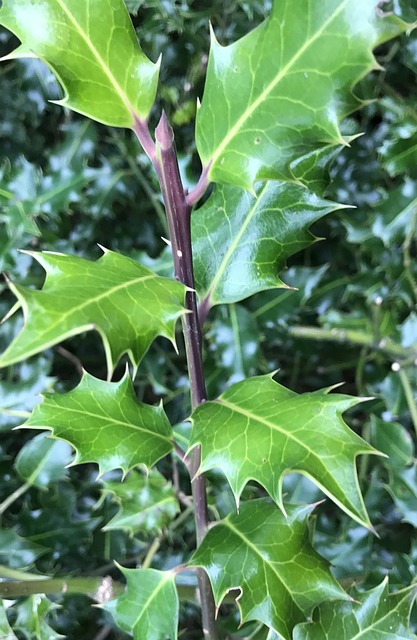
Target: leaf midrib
267 423
86 303
234 244
110 420
265 93
264 560
152 596
120 92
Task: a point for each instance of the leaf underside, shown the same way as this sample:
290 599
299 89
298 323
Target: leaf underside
106 424
126 303
269 558
281 91
241 241
259 430
93 50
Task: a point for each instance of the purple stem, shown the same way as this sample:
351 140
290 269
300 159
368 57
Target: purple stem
142 132
200 188
178 212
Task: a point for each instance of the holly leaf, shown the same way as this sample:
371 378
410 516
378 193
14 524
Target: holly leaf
241 241
378 616
31 618
281 91
138 610
268 557
43 461
17 552
92 49
6 631
126 303
259 430
147 503
106 424
399 149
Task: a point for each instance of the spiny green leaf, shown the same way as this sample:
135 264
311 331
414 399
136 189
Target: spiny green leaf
126 303
31 618
241 241
6 632
147 503
106 424
259 430
148 609
269 558
379 616
280 92
92 48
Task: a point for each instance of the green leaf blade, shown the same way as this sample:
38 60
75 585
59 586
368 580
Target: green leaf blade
106 424
259 430
268 557
80 295
148 609
92 48
281 91
379 615
147 503
43 461
242 240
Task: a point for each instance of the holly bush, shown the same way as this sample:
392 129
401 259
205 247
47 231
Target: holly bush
214 334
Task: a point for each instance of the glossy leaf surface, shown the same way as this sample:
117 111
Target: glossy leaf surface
43 461
147 503
260 430
17 552
6 631
379 616
242 241
106 424
126 303
148 609
269 558
92 48
280 92
32 618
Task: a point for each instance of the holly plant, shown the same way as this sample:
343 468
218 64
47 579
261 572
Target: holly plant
271 120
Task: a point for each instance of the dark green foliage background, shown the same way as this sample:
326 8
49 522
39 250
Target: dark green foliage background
353 316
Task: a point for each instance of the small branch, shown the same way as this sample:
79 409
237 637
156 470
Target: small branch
72 358
200 188
103 633
178 211
151 553
88 586
14 496
385 346
142 133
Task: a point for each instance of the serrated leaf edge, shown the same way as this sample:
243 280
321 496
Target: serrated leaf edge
76 461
